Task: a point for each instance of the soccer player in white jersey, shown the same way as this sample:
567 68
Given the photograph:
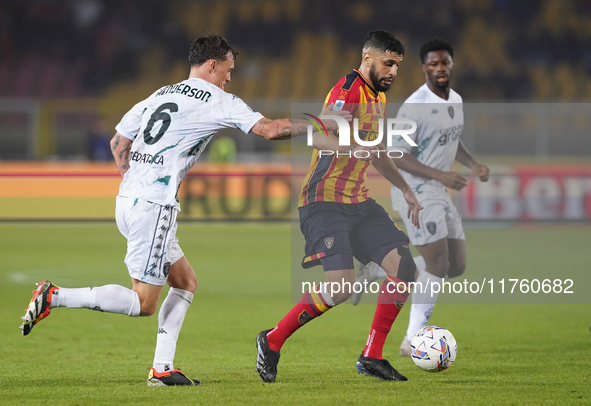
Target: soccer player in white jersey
156 144
438 111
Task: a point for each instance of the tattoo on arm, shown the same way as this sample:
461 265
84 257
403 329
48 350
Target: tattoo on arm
299 127
115 144
285 133
124 159
261 125
281 129
121 149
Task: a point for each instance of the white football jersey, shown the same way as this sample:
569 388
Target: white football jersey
169 131
439 126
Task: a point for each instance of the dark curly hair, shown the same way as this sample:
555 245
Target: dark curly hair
384 41
211 46
435 44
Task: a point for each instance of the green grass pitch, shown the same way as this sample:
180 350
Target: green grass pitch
507 353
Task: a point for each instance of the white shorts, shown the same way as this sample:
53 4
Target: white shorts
439 219
152 245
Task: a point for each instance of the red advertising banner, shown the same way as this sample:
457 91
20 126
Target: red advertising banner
529 192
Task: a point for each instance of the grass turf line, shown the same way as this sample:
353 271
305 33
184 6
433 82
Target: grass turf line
519 354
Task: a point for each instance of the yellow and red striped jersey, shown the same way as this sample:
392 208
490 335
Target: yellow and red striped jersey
342 179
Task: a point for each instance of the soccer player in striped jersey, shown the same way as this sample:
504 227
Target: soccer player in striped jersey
339 220
438 111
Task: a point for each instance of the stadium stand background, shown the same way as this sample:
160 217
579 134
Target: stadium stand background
69 70
66 64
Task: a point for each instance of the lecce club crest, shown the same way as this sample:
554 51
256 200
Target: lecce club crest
329 241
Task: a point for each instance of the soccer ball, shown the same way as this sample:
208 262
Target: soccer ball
433 349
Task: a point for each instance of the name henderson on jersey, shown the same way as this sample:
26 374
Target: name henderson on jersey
185 90
146 158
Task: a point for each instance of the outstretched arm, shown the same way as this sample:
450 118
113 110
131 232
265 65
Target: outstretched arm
281 129
464 157
121 147
284 128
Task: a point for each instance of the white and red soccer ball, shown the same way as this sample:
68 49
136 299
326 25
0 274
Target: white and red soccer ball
433 349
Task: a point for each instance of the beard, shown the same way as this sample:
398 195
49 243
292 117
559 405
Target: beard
376 81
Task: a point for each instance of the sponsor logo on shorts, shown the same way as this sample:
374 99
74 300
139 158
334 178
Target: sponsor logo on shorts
432 227
329 241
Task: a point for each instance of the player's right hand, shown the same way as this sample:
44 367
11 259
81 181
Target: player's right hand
482 171
452 180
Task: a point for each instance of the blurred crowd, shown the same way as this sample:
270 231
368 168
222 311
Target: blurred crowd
506 49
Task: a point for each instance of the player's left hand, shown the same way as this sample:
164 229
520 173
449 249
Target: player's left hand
413 207
481 171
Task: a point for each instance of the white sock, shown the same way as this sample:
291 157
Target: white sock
419 262
108 298
170 320
326 296
381 273
163 367
423 301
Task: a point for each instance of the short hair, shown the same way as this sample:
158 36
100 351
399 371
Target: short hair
435 44
384 41
211 46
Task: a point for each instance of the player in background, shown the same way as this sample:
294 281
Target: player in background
155 145
438 111
339 220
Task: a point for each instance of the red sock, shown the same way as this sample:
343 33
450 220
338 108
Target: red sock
310 306
390 301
